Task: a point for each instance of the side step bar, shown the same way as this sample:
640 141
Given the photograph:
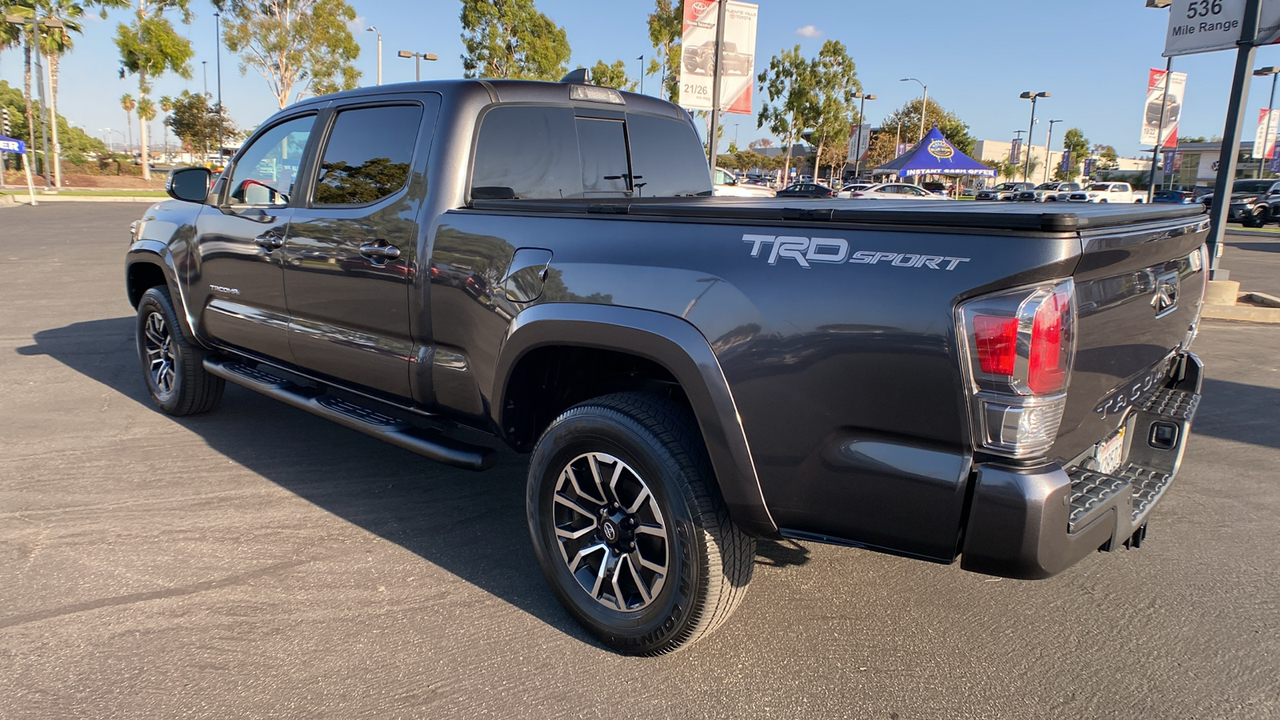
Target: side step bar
430 442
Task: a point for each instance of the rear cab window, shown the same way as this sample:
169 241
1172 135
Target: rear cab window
551 152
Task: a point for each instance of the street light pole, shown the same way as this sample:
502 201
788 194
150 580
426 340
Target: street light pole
204 68
217 28
924 103
417 61
857 143
641 59
374 29
1047 142
1032 96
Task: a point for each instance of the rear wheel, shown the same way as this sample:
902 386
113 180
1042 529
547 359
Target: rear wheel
173 367
1260 216
629 526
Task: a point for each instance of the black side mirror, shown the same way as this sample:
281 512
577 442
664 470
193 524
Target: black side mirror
190 184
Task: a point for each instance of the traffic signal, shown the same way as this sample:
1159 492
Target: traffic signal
4 121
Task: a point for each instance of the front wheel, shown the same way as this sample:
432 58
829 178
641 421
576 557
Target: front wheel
172 365
1257 218
629 526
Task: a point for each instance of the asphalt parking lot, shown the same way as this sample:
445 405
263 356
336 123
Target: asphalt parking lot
260 562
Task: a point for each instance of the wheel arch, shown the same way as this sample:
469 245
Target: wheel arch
659 347
149 264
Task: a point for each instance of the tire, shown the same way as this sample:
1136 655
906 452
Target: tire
1257 218
172 367
685 573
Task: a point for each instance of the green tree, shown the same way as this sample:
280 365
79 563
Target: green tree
791 107
1107 158
666 30
835 80
1188 139
150 47
949 124
511 39
1075 144
614 76
297 46
194 120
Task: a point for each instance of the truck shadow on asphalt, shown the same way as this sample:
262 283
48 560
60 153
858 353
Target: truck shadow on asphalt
470 524
1239 412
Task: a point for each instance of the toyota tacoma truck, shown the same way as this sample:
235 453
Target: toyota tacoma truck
1010 387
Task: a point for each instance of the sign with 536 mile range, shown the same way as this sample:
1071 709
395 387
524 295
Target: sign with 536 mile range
1197 26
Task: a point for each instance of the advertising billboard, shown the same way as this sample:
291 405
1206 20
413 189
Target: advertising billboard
737 69
1153 131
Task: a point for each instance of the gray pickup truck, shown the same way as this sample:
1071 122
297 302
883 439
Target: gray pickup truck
1006 385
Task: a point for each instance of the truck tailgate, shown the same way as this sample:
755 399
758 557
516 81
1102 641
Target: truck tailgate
1139 290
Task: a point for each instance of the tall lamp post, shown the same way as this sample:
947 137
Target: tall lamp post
217 27
1048 140
1032 96
641 59
1268 132
862 120
417 61
374 29
924 103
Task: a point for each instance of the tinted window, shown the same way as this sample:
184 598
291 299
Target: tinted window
368 154
602 145
265 171
667 157
528 153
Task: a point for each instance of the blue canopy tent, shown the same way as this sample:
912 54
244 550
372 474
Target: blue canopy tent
934 155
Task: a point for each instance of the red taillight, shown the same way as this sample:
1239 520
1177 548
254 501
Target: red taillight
1047 366
997 343
854 195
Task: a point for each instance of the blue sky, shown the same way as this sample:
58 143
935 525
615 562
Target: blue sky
976 56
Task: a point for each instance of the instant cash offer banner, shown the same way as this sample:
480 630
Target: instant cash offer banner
1153 131
698 50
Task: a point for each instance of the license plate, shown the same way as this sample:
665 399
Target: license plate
1108 454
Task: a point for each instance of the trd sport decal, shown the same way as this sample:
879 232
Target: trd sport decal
836 250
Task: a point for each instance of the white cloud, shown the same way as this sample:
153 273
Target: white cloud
809 31
358 25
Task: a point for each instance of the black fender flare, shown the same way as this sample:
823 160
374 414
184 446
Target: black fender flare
674 344
157 253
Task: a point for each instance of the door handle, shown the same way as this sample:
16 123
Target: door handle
380 252
269 241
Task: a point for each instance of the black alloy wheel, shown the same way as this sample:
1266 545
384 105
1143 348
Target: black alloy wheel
172 366
629 526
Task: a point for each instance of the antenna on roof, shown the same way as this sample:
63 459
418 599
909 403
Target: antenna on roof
581 76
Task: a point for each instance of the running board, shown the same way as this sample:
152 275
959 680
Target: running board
429 442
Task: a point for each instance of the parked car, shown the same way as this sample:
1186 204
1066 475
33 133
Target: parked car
730 186
1174 197
1004 191
1254 202
697 59
896 191
807 190
1048 192
685 374
1106 192
851 188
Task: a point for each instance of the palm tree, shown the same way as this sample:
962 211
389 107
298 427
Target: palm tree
128 103
55 41
166 104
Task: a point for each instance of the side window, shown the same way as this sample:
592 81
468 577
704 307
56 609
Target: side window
368 154
527 152
666 157
265 172
602 145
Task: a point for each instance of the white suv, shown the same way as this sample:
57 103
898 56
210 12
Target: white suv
1105 192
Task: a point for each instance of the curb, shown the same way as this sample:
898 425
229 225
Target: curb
1242 313
40 199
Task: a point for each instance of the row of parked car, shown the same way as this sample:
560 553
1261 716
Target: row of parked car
1100 192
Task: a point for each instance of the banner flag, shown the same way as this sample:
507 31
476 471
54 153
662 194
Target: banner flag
698 51
1153 131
